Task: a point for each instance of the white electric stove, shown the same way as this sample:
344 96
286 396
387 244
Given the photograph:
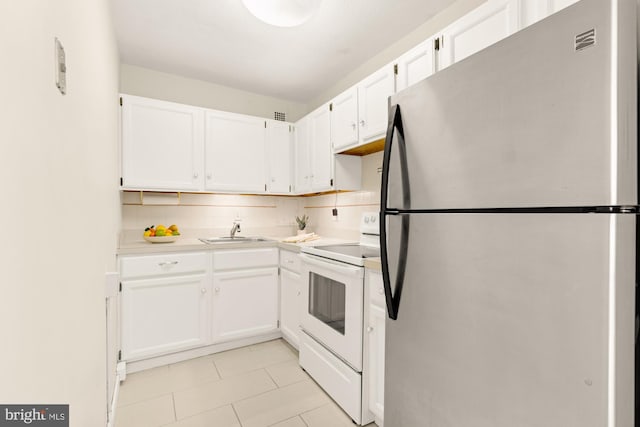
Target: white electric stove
332 319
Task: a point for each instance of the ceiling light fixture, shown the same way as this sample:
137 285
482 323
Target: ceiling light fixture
283 13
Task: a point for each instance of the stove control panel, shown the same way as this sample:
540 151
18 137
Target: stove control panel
369 223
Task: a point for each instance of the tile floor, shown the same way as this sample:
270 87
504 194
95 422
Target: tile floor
256 386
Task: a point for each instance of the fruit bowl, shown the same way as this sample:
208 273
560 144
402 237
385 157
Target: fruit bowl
161 239
161 234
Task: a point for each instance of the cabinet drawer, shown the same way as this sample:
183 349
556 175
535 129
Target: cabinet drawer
376 288
154 265
245 258
342 383
290 260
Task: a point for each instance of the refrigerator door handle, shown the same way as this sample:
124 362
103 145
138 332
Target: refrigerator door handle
392 296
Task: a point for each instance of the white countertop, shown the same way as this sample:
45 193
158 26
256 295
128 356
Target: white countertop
141 246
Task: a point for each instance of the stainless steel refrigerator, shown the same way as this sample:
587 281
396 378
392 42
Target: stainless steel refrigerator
508 238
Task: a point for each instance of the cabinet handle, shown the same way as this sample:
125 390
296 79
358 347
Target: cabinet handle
381 291
195 174
217 290
353 125
362 122
209 176
165 263
298 293
369 329
203 290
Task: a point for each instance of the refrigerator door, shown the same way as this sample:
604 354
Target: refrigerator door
513 320
536 120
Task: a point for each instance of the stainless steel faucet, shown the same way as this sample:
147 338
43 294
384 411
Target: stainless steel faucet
234 229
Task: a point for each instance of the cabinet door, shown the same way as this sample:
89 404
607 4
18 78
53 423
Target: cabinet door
245 303
302 166
376 330
290 306
415 65
533 12
161 145
556 5
373 105
235 153
164 315
279 155
344 120
484 26
321 152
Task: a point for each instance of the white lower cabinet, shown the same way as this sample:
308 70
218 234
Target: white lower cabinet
375 316
182 301
290 301
245 303
245 293
164 309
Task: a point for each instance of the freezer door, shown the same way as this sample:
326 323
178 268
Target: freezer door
520 320
532 121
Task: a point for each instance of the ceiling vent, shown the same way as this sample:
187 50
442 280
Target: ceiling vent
280 116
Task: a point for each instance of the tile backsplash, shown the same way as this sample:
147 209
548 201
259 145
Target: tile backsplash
269 215
259 215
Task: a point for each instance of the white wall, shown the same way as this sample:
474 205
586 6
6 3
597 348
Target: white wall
140 81
60 209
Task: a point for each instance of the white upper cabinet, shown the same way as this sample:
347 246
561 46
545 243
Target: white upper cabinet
321 154
359 115
534 11
279 155
373 94
161 145
344 119
484 26
415 65
235 153
556 5
301 154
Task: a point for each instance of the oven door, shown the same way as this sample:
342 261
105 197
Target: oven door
332 295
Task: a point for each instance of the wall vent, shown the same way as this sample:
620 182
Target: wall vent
585 39
280 116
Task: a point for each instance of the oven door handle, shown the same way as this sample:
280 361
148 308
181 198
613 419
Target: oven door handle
338 267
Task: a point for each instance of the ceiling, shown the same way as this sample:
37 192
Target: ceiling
221 42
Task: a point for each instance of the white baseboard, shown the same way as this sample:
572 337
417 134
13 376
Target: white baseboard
141 365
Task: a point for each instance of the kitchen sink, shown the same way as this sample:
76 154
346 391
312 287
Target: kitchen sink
235 239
